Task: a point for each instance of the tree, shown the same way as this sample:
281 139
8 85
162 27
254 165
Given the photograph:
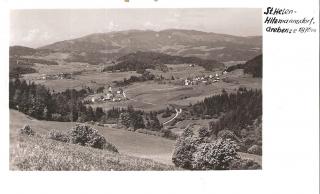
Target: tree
136 120
185 147
204 132
125 119
90 114
99 113
217 155
153 122
100 89
86 136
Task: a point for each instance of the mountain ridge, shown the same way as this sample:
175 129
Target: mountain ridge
206 45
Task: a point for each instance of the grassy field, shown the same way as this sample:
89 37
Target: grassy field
129 143
180 71
153 96
90 76
148 95
39 153
137 151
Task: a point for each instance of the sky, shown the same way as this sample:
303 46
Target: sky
35 28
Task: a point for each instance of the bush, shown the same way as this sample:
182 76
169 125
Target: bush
58 136
244 164
185 147
57 117
110 147
26 130
204 132
167 133
255 149
216 155
83 135
227 134
86 136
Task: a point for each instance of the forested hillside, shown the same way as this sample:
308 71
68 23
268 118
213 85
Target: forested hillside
145 60
239 117
253 67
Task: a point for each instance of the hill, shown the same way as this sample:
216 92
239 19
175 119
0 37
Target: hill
128 143
145 60
205 45
39 153
21 51
253 66
22 60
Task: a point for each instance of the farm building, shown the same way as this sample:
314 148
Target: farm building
110 95
207 79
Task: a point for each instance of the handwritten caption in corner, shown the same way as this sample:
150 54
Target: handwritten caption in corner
286 21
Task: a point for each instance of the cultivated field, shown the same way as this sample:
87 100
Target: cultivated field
85 76
153 96
149 95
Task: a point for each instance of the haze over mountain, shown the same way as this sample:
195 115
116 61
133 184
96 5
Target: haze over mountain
220 47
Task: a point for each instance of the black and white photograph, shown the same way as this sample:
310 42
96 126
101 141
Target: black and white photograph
138 89
159 96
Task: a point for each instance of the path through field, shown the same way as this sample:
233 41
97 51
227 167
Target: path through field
175 116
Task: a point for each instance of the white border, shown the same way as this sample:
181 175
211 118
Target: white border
290 113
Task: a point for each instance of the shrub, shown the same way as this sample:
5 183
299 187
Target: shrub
58 136
83 135
185 147
86 136
166 115
26 130
167 133
110 147
249 141
227 134
57 117
216 155
255 149
244 164
204 132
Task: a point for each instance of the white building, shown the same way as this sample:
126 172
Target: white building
186 82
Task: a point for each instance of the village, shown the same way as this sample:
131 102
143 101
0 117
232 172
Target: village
110 95
56 76
205 79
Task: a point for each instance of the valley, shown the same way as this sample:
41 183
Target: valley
142 96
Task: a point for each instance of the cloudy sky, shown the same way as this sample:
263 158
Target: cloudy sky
36 28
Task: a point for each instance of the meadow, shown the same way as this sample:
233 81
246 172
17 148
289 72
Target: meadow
137 151
129 143
38 153
85 75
